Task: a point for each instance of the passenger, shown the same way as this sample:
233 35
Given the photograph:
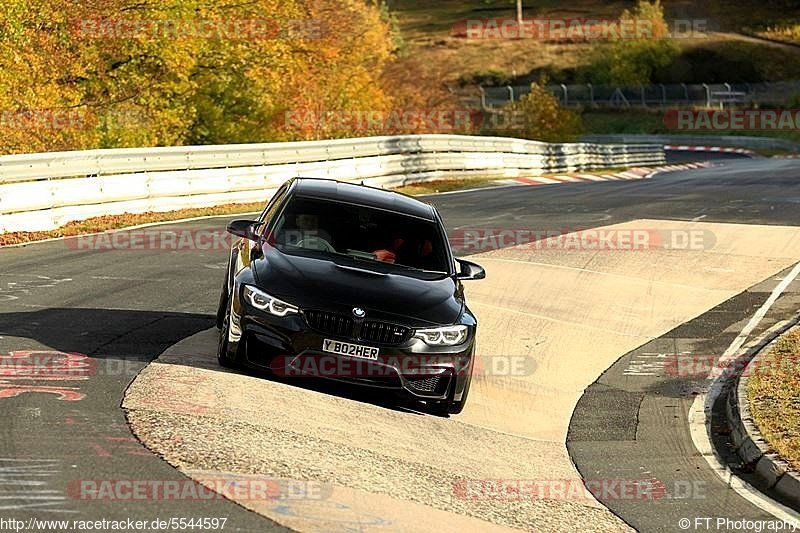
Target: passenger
389 253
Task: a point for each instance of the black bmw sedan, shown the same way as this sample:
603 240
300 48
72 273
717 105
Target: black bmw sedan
351 283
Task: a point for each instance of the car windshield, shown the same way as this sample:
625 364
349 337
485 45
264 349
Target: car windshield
365 235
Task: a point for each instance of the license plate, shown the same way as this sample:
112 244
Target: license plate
350 350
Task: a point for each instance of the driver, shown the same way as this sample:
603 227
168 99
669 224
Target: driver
310 234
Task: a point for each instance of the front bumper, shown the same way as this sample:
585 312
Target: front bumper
289 347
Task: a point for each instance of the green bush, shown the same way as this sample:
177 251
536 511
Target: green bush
632 60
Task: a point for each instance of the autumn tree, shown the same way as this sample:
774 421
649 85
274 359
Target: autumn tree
170 72
337 77
40 73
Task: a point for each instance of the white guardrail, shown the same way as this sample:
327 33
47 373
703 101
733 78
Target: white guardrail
47 190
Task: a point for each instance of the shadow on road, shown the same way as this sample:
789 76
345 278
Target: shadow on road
121 342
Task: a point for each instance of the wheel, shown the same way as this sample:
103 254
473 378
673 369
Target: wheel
222 345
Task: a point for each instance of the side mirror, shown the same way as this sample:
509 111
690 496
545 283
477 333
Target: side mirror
244 228
470 270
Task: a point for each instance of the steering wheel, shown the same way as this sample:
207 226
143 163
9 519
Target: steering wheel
316 243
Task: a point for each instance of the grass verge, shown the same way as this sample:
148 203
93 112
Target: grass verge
111 222
773 392
432 187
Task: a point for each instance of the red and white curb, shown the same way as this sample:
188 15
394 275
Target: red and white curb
717 149
636 173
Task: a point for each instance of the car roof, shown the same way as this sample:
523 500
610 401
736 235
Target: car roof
363 195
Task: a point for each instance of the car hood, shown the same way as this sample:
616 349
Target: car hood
312 283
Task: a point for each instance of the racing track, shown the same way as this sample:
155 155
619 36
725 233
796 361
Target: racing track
573 314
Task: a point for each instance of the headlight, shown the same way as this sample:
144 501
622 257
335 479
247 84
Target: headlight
261 300
445 336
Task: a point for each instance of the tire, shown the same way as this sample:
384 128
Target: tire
222 345
222 307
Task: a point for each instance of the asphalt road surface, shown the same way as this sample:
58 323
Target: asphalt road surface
64 433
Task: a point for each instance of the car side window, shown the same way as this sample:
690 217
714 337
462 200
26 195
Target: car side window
273 204
267 219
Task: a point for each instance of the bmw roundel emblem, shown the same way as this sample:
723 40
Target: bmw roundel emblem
358 312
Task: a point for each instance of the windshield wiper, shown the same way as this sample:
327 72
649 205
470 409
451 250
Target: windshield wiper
361 270
415 269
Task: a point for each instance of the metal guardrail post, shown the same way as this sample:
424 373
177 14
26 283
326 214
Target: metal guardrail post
510 92
663 95
591 94
483 98
751 92
566 95
708 95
